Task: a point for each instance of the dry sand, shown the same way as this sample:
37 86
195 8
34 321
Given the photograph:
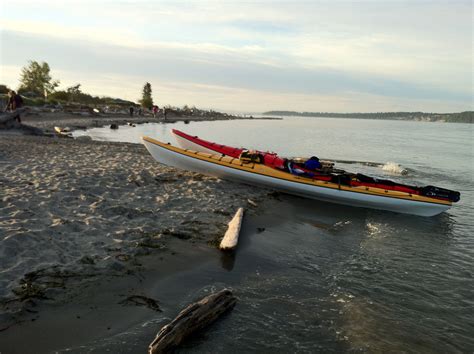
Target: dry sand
73 213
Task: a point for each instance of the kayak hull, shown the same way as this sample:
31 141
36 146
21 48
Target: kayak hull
260 175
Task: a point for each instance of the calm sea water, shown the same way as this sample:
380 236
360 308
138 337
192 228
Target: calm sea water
314 277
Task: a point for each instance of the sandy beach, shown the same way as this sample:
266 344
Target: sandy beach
82 224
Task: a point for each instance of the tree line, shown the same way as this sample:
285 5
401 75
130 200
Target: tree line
462 117
38 87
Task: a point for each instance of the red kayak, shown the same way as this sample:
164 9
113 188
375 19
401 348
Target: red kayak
187 141
341 177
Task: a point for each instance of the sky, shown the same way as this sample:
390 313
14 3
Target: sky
251 56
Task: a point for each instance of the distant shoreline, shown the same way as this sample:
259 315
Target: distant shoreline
462 117
46 120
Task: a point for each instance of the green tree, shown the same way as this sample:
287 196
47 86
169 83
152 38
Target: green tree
74 93
35 78
4 89
147 100
59 96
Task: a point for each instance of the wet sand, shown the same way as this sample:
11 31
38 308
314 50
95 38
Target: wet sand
110 306
86 224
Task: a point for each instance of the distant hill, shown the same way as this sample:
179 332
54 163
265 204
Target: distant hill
463 117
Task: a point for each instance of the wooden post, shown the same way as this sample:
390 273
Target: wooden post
231 237
193 318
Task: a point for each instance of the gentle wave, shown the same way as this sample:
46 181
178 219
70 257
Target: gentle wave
395 168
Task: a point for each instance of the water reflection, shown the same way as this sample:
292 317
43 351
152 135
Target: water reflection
227 260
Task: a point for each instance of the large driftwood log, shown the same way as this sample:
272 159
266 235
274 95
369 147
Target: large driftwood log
8 120
193 318
10 116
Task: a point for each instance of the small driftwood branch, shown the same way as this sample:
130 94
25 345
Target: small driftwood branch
193 318
252 203
231 237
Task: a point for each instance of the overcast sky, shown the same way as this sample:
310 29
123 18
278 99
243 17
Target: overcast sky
252 56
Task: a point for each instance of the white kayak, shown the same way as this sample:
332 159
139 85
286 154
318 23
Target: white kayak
258 174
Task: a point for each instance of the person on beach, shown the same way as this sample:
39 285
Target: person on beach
155 111
164 113
14 102
131 111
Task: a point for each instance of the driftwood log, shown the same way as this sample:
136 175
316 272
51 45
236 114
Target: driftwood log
193 318
8 119
231 237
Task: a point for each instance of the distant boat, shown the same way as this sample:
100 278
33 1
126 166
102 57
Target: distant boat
254 173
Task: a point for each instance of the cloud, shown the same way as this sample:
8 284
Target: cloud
185 63
398 50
